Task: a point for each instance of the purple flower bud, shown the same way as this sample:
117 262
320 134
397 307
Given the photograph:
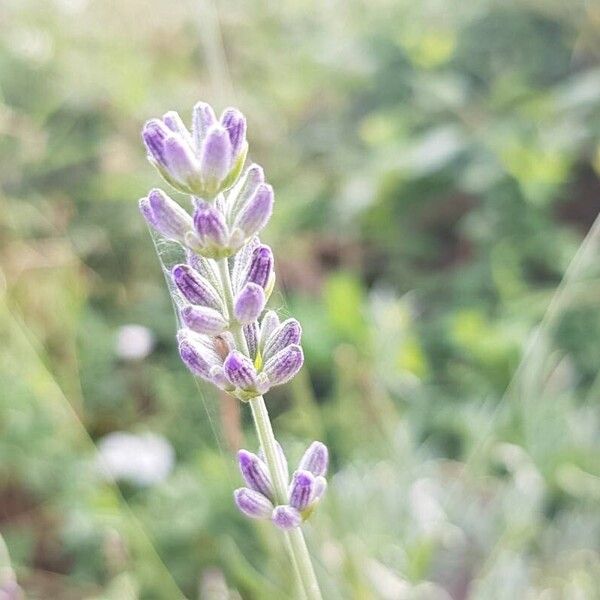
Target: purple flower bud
302 489
194 287
204 267
286 517
215 160
253 216
181 162
197 356
251 335
240 371
252 504
288 333
269 324
202 319
261 266
255 473
210 225
165 215
244 190
173 121
315 459
249 303
203 118
154 134
241 263
217 377
235 124
320 487
284 365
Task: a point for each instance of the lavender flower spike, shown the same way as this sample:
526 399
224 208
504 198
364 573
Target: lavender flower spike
253 504
221 291
255 474
315 459
286 517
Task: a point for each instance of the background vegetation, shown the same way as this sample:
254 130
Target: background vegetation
436 169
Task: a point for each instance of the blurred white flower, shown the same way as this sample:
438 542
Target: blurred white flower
425 506
143 459
134 342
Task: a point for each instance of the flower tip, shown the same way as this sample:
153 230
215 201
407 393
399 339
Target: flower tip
286 517
252 503
316 459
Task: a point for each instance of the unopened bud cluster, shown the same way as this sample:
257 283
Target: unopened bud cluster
223 286
229 211
305 490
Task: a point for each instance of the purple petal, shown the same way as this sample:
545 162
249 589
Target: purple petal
286 517
210 225
255 473
146 210
165 215
180 159
239 370
235 124
315 459
215 160
302 489
217 377
194 287
245 189
286 334
205 268
252 504
251 335
284 365
202 319
154 135
173 121
203 118
261 266
197 356
253 216
241 263
320 487
249 303
270 323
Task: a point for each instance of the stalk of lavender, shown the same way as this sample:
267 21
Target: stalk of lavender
227 338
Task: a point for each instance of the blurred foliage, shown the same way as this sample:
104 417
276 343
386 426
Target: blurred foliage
436 167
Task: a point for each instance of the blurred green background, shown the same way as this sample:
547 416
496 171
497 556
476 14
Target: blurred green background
436 167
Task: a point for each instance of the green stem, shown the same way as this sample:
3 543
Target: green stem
295 542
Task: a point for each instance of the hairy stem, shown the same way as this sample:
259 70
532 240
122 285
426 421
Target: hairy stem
295 542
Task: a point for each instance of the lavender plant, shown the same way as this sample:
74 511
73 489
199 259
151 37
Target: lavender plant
227 338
